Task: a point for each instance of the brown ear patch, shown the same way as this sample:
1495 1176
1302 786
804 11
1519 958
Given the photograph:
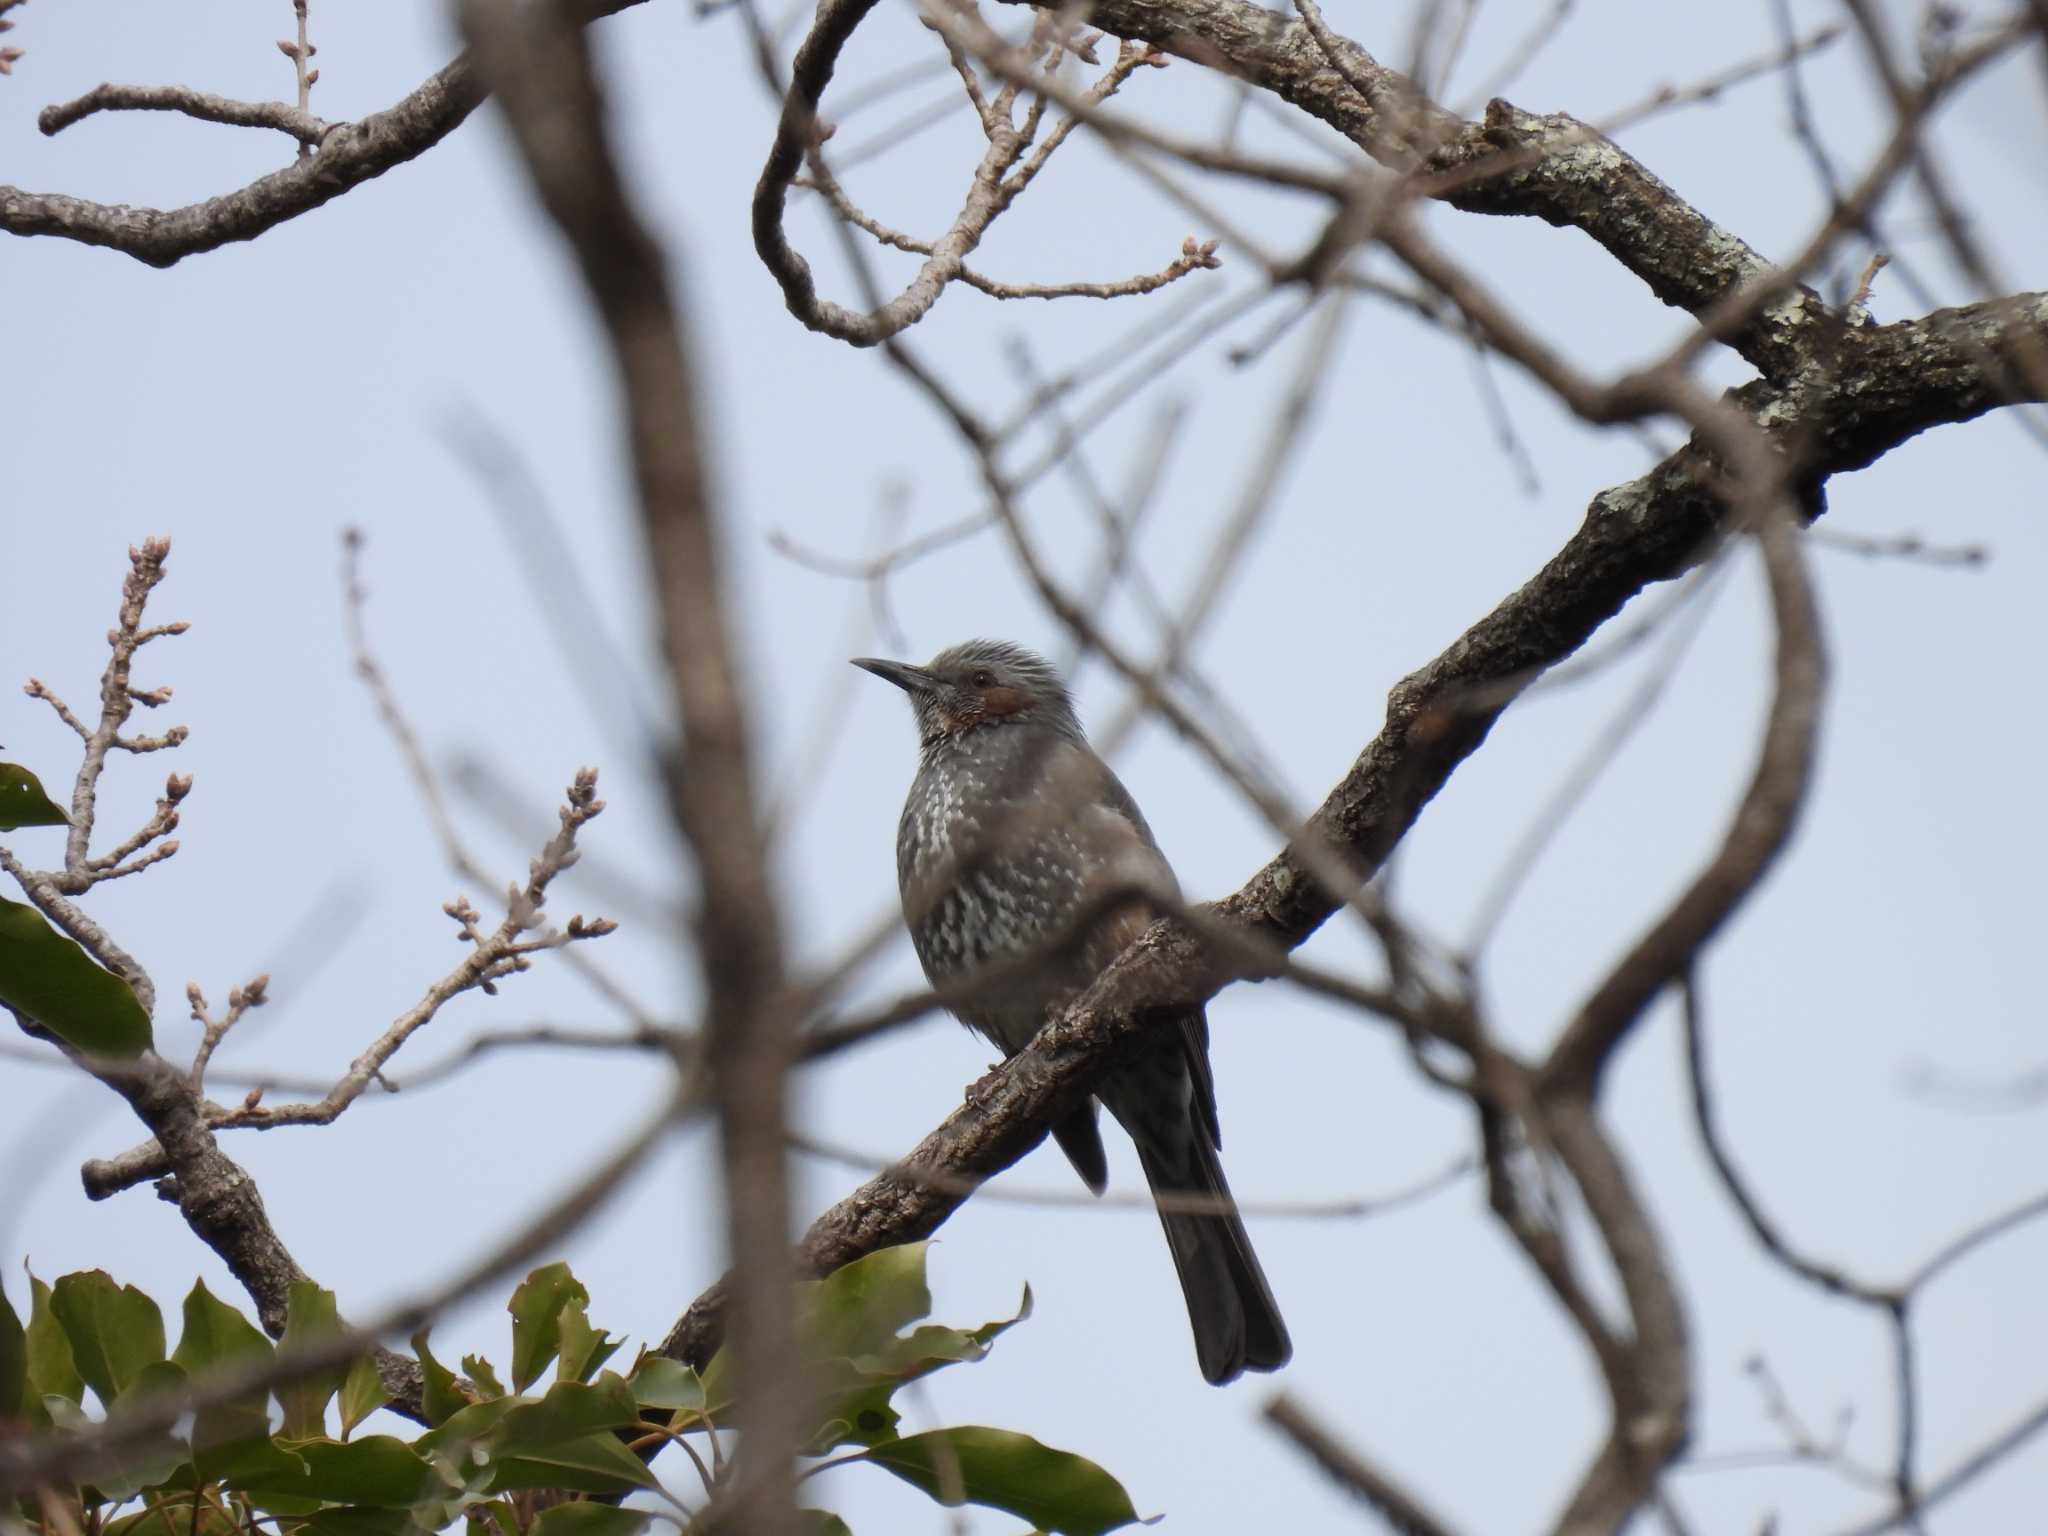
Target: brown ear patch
1000 702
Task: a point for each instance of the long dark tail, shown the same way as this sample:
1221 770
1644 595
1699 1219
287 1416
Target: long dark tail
1236 1321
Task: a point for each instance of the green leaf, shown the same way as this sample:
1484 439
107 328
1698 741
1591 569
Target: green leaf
65 1415
158 1458
465 1427
820 1522
854 1410
442 1396
660 1382
584 1348
850 1321
13 1360
587 1519
23 803
1055 1490
114 1330
158 1380
377 1470
254 1461
852 1395
151 1466
567 1440
479 1371
569 1409
593 1464
310 1316
61 987
362 1394
217 1337
717 1381
536 1309
51 1370
927 1349
862 1306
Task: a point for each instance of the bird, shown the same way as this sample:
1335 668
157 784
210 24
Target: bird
1025 868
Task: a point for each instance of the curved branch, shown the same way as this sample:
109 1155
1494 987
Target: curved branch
282 116
350 154
1759 833
1649 1373
999 178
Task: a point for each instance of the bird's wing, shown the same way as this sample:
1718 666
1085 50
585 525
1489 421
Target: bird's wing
1129 855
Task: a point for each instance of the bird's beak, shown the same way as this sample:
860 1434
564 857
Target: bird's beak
910 679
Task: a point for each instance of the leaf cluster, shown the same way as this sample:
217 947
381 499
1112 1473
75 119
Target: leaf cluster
523 1460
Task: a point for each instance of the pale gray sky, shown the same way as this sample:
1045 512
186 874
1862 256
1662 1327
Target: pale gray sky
253 402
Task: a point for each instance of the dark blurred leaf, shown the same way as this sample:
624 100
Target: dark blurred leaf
1055 1490
51 1370
310 1316
186 1514
23 803
583 1347
362 1394
13 1360
276 1501
355 1520
442 1396
114 1330
587 1519
61 987
156 1459
536 1309
496 1518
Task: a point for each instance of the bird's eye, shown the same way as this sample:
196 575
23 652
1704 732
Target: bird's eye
982 677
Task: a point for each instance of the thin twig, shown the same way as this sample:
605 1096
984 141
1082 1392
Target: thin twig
208 108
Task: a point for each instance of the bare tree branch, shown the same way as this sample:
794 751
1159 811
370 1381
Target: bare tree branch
1351 1472
349 155
539 58
299 123
1550 167
1761 828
